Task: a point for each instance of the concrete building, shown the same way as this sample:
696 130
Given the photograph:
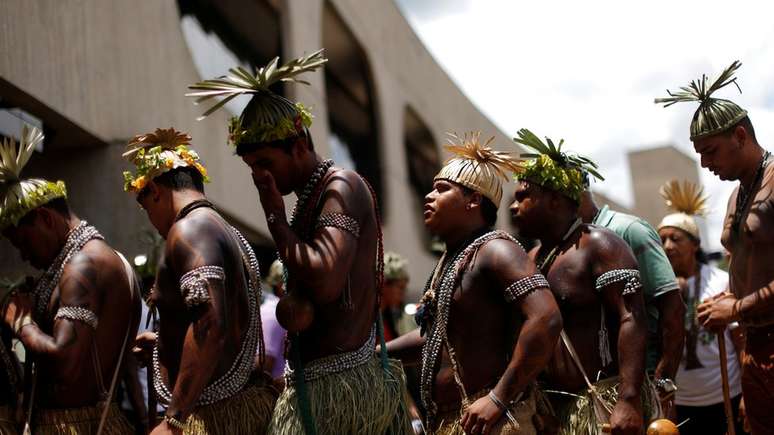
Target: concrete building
94 73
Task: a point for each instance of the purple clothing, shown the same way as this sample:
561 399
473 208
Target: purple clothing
273 334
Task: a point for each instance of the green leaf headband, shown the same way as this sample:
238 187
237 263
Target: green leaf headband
554 169
156 153
268 117
17 196
714 115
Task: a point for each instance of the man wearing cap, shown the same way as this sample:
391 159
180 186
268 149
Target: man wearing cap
332 250
724 137
593 275
488 322
206 293
77 322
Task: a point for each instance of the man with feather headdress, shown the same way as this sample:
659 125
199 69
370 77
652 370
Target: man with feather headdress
724 137
207 294
332 252
76 324
488 322
699 396
593 275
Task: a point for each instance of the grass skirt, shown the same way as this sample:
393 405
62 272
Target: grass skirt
523 411
363 400
247 412
7 423
80 421
578 416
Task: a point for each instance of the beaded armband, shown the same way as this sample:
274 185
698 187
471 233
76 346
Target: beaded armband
525 286
340 221
193 285
630 276
78 313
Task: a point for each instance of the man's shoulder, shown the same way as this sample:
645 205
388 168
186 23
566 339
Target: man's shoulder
630 226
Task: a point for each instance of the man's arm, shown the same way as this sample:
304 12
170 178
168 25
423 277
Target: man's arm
624 297
187 253
528 290
407 347
515 275
75 320
660 285
319 263
671 310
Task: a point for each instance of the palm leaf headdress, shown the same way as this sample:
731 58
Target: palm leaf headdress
714 115
19 196
156 153
478 166
685 197
268 117
553 168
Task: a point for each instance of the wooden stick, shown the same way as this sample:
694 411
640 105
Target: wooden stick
724 376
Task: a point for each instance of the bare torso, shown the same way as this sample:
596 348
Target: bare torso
175 318
104 283
752 246
482 330
588 253
337 329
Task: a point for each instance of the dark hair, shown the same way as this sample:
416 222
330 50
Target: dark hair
182 178
283 144
488 208
747 124
59 205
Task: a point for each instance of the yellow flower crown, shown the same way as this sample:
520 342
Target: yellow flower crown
159 152
18 197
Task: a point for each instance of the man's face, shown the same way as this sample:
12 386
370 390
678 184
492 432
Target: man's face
279 163
720 154
152 201
35 240
444 206
527 209
393 292
679 247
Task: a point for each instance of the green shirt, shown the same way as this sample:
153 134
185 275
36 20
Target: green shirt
656 272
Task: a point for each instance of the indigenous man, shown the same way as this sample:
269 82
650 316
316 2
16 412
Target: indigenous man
663 303
207 293
76 324
488 320
332 252
699 398
723 136
594 277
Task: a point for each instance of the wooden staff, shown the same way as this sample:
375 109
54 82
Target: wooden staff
724 376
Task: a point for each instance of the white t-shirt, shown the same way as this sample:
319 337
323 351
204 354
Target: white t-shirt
703 386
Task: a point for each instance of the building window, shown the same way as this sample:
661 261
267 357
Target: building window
350 99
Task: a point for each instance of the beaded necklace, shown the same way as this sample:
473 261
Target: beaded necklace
239 373
438 295
744 196
76 240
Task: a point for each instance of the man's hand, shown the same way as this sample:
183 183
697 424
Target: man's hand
19 306
716 313
271 198
626 418
143 348
165 429
481 416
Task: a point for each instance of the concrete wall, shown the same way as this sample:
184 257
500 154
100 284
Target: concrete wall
116 68
650 169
